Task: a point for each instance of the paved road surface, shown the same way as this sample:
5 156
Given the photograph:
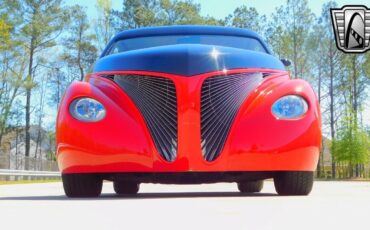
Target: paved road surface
331 205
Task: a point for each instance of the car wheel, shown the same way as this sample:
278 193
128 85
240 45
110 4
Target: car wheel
82 185
250 186
293 183
126 188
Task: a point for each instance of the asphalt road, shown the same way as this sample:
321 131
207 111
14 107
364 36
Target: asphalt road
331 205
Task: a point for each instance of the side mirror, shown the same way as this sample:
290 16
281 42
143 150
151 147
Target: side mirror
286 62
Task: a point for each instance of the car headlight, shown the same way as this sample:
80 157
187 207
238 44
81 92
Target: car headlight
87 109
289 107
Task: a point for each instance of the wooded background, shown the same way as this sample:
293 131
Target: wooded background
45 45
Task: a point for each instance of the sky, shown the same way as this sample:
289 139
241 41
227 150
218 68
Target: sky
225 7
222 8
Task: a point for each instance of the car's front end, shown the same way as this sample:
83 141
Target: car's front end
187 113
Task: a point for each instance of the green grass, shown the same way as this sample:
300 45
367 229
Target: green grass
27 181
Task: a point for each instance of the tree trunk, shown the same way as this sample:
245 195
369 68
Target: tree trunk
357 165
81 73
38 139
332 128
27 129
58 88
28 102
295 55
16 139
321 157
79 55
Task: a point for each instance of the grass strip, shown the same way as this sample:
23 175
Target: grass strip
26 181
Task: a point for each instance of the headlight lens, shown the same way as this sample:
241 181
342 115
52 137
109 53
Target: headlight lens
87 109
289 107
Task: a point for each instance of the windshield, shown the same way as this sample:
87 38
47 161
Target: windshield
246 43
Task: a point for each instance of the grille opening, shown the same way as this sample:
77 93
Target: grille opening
221 98
156 99
107 76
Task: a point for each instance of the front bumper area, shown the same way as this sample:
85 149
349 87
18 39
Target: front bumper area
188 177
74 161
257 141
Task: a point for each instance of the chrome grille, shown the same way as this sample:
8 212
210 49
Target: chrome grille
221 97
155 97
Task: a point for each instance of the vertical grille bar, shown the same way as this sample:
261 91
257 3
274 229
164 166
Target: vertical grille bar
221 97
156 99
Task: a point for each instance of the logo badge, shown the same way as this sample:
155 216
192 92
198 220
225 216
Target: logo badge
352 28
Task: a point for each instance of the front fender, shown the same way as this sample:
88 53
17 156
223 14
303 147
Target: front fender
257 132
119 137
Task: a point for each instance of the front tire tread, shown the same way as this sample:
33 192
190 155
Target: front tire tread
82 185
294 183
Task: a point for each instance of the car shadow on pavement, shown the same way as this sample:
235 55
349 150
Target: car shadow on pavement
112 196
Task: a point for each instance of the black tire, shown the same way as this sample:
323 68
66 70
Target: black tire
294 183
250 186
82 185
126 188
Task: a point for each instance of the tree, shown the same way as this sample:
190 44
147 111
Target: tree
80 53
136 14
355 87
333 69
318 59
12 66
247 17
352 145
40 113
11 80
59 82
17 115
142 13
183 13
103 25
276 36
4 34
42 23
296 20
367 65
